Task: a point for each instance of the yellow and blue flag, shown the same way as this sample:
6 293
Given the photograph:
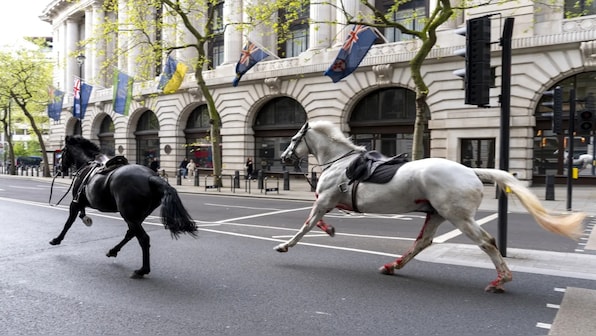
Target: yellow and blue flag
172 76
123 84
357 45
251 55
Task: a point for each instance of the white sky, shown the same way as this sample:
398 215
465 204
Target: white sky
19 18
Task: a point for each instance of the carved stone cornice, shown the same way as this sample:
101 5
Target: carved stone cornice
383 72
274 84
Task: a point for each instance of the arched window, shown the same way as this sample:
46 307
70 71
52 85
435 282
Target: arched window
106 136
147 135
274 126
197 133
384 121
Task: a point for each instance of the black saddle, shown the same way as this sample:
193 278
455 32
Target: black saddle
112 164
374 167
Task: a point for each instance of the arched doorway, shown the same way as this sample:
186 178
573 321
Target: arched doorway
384 121
549 148
147 136
106 136
197 137
274 126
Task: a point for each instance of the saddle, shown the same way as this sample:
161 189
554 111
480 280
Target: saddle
374 167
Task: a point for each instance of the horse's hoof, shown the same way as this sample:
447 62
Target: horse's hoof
386 270
494 289
55 242
87 221
137 275
111 254
330 231
281 248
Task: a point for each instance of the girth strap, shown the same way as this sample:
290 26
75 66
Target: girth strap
354 198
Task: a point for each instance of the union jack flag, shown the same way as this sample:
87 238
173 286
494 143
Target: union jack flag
251 54
356 46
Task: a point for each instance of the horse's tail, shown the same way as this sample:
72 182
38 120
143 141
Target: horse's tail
174 216
568 225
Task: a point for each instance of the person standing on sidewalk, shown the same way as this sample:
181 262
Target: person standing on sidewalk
249 169
183 169
190 167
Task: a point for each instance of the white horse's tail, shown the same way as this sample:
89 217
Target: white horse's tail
568 225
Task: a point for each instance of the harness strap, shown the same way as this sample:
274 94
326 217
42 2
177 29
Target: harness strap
354 198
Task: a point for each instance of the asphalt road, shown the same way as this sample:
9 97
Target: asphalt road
229 281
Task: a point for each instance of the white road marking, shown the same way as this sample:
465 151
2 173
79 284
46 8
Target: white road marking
261 215
239 207
554 306
543 325
454 233
559 289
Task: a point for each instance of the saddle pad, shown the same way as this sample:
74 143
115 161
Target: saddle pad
373 167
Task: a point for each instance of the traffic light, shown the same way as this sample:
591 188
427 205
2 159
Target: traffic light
586 122
557 105
477 73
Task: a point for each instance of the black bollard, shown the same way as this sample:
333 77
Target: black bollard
237 179
197 177
550 188
286 180
178 177
260 178
313 182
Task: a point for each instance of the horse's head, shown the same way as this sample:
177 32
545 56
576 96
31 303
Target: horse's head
298 147
77 151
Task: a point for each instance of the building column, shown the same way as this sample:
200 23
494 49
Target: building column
123 35
72 68
98 55
232 36
353 8
319 34
88 74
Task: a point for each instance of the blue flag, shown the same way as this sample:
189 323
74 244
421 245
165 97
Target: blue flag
82 93
55 104
251 55
350 55
123 84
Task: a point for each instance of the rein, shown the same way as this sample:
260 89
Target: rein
69 187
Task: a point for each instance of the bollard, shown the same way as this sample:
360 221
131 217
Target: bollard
313 181
550 188
197 177
286 180
178 177
237 179
260 178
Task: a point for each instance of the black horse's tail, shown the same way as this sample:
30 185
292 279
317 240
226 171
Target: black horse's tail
174 216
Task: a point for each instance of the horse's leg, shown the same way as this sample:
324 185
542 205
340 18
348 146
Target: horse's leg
424 239
487 243
113 252
86 219
143 238
73 211
316 213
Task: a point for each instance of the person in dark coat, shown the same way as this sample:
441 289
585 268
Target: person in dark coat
249 169
154 165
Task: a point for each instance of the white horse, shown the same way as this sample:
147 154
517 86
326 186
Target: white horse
443 189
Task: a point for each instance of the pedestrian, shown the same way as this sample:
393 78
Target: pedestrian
154 165
190 167
183 169
249 169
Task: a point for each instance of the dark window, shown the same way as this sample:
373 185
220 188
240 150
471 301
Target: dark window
198 143
280 113
198 119
215 46
386 105
574 8
148 122
478 153
410 14
106 136
295 35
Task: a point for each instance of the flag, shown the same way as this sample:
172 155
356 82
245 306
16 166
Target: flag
251 55
82 93
359 41
55 104
172 76
122 92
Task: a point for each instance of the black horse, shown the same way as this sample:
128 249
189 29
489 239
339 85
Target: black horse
116 186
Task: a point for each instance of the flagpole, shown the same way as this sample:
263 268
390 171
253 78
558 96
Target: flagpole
261 47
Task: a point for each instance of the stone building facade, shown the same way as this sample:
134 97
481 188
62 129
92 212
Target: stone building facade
374 105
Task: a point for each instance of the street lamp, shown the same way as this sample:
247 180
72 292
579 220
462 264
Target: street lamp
80 62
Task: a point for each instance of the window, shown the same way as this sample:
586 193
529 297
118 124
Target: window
478 153
574 8
385 105
198 143
106 136
215 48
295 34
411 14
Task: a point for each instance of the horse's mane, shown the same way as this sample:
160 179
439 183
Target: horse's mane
89 148
334 133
